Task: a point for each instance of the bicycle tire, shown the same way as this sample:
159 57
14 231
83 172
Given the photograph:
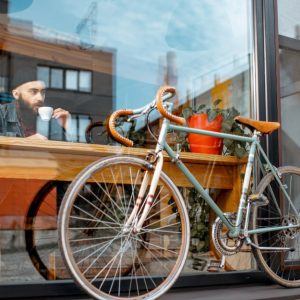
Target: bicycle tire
154 262
89 134
282 267
41 230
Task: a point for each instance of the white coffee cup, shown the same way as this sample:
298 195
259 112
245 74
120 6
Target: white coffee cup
45 112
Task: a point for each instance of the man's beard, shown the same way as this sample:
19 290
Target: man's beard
24 106
27 114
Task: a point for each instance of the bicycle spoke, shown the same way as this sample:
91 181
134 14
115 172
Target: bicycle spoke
282 266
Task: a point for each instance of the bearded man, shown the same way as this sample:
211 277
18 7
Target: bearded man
19 118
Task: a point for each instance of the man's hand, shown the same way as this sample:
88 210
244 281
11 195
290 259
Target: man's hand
37 136
62 116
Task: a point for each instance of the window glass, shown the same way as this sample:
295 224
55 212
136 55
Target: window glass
288 18
289 27
94 57
43 75
83 122
71 80
85 81
56 78
290 105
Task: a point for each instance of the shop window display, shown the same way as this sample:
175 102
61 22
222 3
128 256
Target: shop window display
98 56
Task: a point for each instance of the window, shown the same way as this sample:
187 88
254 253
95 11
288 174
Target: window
97 56
43 75
58 78
85 81
289 44
71 80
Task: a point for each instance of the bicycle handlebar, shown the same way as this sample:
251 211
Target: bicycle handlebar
112 126
160 105
164 93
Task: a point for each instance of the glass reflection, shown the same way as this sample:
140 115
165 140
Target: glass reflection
98 56
288 18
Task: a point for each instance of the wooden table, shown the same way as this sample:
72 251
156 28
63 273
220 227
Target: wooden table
23 158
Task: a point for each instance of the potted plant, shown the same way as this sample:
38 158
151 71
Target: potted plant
214 119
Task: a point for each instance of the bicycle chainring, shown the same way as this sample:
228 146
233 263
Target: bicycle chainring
223 243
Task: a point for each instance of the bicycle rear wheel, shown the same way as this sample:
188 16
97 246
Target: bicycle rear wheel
282 266
41 230
114 262
94 131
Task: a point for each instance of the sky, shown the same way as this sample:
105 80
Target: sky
205 36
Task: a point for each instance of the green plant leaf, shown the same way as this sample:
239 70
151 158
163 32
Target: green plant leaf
240 152
200 108
187 112
200 246
200 227
212 114
217 102
227 125
195 241
227 143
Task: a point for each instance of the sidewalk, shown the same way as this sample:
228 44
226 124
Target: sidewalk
238 292
229 292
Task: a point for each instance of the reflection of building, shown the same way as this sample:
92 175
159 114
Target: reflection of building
78 81
209 86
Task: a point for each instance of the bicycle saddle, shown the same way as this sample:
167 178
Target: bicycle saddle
261 126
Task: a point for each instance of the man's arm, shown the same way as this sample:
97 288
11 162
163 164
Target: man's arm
64 123
63 117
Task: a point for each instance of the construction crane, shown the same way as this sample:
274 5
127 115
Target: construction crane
87 27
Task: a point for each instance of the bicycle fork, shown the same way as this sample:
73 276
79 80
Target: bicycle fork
133 218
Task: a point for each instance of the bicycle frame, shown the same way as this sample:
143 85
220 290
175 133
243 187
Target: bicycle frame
236 229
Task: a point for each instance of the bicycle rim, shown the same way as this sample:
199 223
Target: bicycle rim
107 261
281 266
41 231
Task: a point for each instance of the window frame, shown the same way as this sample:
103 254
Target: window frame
64 79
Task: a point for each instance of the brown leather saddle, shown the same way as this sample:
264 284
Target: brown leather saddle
261 126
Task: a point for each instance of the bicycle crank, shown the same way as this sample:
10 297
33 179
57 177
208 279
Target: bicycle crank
223 243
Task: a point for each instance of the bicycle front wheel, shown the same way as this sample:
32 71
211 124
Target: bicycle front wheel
109 260
282 266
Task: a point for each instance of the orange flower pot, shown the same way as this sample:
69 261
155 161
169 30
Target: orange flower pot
204 143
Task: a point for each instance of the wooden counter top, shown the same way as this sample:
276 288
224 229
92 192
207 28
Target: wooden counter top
52 160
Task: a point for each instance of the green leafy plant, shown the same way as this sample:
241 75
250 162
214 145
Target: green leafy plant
230 147
198 211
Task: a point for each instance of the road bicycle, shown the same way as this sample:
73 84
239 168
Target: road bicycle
130 239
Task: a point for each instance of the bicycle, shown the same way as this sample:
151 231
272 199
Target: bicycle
139 238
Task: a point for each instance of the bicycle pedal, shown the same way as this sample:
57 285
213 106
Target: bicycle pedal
258 199
214 266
